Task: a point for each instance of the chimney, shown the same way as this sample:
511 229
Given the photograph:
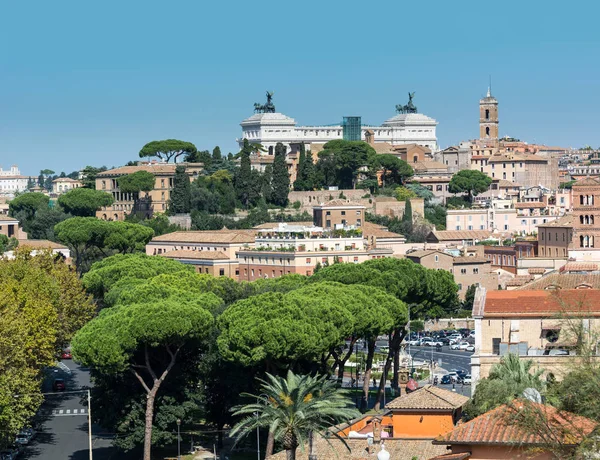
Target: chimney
376 430
370 136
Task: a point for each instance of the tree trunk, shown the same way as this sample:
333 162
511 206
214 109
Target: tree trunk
393 355
364 403
342 362
290 454
270 444
148 427
312 449
151 393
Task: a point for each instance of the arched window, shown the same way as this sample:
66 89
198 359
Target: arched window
415 158
580 199
487 131
270 150
487 114
581 241
591 241
587 220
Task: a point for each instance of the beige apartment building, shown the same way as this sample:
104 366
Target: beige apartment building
555 238
210 252
466 270
64 184
502 215
338 214
535 324
523 168
9 226
290 248
154 201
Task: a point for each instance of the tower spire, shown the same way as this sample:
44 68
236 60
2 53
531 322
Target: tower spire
489 92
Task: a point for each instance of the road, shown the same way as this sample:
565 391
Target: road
63 432
447 359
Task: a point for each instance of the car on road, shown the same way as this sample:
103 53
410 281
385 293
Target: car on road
446 379
432 343
467 379
455 338
25 436
459 346
414 342
66 354
59 385
471 347
454 377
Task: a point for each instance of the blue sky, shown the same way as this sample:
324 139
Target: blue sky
91 82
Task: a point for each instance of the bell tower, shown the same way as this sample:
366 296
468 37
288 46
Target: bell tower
488 117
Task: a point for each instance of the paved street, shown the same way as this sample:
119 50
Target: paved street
63 434
450 359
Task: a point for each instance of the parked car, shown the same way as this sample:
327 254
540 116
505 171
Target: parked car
471 348
446 379
454 377
455 345
66 354
10 454
432 343
414 342
59 385
467 379
25 436
455 338
462 345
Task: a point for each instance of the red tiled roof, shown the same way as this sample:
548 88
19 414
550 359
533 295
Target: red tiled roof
461 456
429 397
497 427
530 204
541 302
197 255
579 267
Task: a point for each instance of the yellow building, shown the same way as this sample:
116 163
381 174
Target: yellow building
154 201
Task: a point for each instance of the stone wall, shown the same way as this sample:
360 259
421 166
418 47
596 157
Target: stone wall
449 323
314 198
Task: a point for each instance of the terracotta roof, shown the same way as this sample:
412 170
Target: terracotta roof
152 168
587 181
428 397
530 303
424 180
64 179
536 271
564 221
384 148
197 255
399 449
497 427
378 231
426 252
471 260
579 267
461 456
4 218
427 165
41 244
530 204
507 183
450 235
210 236
564 281
339 203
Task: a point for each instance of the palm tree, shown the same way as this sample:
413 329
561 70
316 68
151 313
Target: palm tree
518 372
294 408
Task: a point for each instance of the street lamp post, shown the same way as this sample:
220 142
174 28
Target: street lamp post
178 439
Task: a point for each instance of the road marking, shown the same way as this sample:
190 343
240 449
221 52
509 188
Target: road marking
64 367
63 412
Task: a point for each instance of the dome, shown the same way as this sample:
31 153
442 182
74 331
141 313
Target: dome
275 119
410 119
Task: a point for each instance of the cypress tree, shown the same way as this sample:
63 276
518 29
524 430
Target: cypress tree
216 155
267 183
243 177
181 194
407 218
309 177
281 177
299 182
